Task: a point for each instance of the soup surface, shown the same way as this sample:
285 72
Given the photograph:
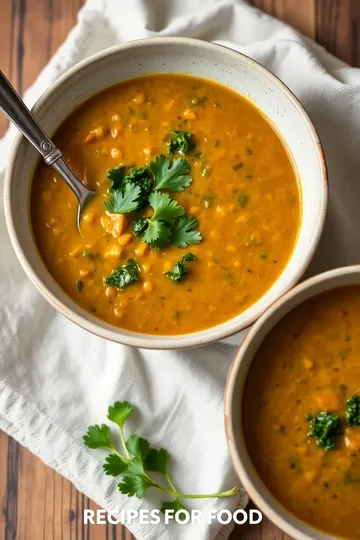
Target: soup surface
310 364
235 180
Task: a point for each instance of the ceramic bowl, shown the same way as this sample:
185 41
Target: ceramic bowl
170 55
234 397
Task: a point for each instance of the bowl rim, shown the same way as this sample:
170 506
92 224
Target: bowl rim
88 321
245 470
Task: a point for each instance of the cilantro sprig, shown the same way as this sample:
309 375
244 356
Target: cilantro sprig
124 201
137 460
132 190
157 231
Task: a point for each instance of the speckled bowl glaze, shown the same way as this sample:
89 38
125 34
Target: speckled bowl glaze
246 471
170 55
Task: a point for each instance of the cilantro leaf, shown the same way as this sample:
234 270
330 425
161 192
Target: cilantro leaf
174 177
139 176
164 208
98 437
176 506
136 466
123 275
135 485
158 230
183 233
180 270
120 412
139 225
137 446
124 202
114 465
157 460
157 234
181 142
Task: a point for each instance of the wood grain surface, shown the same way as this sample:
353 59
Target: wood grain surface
35 502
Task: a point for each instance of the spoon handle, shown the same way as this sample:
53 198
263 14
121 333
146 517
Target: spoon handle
15 109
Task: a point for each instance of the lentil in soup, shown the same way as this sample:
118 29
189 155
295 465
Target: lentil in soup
301 412
202 205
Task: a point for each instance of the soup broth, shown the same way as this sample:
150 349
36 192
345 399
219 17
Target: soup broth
243 195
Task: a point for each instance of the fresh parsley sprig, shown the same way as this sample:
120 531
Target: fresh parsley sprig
137 460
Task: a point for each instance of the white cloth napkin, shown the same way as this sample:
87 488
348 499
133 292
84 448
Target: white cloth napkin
55 378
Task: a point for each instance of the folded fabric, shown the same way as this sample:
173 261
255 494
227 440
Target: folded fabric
56 379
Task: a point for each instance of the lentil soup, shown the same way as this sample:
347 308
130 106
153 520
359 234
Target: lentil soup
202 205
301 412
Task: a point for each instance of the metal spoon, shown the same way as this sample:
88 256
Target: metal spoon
15 109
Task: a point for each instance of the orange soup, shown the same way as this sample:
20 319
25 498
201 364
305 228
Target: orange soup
301 412
196 212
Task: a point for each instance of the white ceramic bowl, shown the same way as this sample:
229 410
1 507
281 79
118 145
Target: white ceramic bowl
170 55
257 490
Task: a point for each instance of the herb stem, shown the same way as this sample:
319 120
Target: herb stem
155 484
170 482
114 451
122 436
219 495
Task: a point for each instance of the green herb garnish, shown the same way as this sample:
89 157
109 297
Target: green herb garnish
158 229
123 275
180 270
325 427
174 177
137 460
180 142
139 226
79 285
237 166
128 192
352 411
208 199
124 202
243 200
183 232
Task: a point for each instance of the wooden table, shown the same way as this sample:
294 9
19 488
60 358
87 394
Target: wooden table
37 503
